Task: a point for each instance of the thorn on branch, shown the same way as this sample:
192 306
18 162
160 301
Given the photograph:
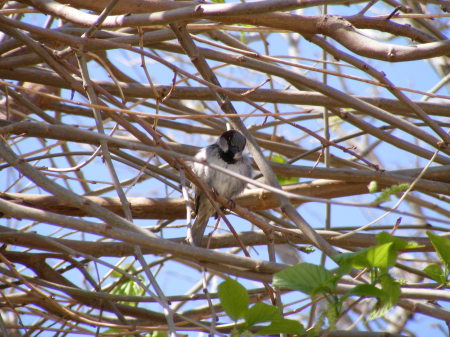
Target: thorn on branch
321 154
256 87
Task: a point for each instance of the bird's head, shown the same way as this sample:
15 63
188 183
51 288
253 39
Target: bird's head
231 144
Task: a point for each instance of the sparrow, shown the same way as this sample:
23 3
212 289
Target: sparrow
226 152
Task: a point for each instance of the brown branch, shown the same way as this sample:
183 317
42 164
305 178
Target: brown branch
146 242
255 199
300 80
253 238
139 90
259 95
36 65
64 194
337 28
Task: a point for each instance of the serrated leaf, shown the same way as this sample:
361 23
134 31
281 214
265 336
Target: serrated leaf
305 277
233 298
261 312
441 245
392 290
128 288
435 272
283 325
379 311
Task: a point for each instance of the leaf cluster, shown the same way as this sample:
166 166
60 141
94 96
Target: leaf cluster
317 281
234 299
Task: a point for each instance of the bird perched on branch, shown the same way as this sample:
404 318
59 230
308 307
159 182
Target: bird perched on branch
226 152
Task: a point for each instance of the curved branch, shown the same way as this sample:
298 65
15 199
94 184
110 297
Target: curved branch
337 28
140 90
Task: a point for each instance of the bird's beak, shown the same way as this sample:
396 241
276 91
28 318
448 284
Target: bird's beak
234 150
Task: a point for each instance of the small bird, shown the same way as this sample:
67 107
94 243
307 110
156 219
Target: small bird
226 152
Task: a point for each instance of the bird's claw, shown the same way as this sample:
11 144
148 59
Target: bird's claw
232 204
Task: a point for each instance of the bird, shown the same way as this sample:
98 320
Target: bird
226 152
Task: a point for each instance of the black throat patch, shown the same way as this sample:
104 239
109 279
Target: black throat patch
227 157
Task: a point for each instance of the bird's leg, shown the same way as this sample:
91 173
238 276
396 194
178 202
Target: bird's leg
215 197
232 204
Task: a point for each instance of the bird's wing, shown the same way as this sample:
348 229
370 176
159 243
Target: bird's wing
204 210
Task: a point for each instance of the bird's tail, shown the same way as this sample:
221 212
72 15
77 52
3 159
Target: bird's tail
205 211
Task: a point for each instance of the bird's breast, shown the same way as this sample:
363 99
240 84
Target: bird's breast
226 185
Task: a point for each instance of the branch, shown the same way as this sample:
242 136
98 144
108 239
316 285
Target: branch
337 28
218 241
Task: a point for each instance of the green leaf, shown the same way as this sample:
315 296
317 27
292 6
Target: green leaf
442 247
119 332
391 287
261 312
332 314
308 278
278 158
392 290
218 1
126 269
283 180
373 186
367 290
128 288
335 122
159 334
243 38
386 193
348 261
234 298
381 256
399 244
380 310
435 272
318 327
283 325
